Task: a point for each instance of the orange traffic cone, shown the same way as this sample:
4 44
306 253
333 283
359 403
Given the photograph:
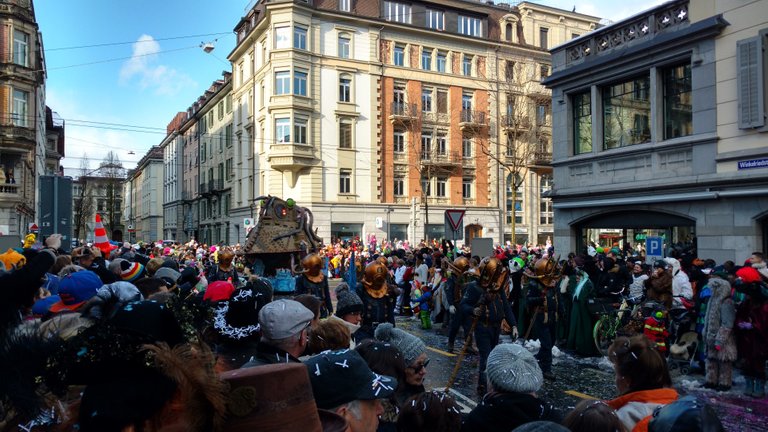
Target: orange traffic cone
102 242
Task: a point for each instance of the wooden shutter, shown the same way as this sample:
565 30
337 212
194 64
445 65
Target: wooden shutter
750 76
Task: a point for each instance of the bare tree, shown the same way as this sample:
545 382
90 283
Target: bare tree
112 171
83 202
526 123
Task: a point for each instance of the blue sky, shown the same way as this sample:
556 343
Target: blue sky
148 68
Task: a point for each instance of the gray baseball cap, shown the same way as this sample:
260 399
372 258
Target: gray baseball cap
284 318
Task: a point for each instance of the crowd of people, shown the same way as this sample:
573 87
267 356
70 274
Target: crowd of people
189 337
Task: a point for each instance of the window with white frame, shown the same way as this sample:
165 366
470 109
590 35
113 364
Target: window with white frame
345 5
283 130
441 187
300 130
466 101
345 88
751 77
282 82
426 186
441 141
470 26
426 99
345 134
344 40
282 37
300 38
426 58
426 145
397 12
345 181
398 186
466 65
466 187
398 57
20 48
546 215
466 147
20 108
435 19
300 83
441 61
399 141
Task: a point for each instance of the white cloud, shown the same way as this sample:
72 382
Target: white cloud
608 9
143 68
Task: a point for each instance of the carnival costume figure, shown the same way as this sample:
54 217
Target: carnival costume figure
312 281
542 301
378 299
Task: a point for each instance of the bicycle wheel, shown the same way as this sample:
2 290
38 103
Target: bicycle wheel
604 333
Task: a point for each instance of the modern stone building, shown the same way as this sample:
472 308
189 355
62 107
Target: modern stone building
380 115
660 130
144 197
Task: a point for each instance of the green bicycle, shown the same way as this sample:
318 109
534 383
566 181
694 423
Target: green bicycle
612 318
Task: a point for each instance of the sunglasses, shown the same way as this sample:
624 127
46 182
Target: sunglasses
418 369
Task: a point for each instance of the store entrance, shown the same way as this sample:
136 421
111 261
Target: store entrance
628 230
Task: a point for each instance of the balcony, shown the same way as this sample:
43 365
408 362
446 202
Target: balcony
10 191
445 159
511 122
403 114
473 121
204 189
291 159
17 138
541 157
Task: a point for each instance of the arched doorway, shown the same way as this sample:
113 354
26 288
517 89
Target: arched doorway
471 231
628 230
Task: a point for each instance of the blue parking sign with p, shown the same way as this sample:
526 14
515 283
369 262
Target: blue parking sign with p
654 248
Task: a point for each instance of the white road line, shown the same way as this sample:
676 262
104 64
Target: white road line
464 402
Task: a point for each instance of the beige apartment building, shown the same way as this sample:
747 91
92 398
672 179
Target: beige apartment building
380 115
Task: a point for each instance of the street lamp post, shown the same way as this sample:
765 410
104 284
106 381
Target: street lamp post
388 210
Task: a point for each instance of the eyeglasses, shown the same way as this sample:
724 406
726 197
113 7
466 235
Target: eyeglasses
418 369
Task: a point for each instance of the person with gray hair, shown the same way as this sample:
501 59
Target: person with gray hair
284 333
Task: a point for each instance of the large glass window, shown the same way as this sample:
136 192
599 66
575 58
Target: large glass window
345 88
627 113
283 130
20 108
397 12
398 186
426 145
582 123
466 65
435 19
426 186
466 187
345 181
678 115
399 56
300 83
545 204
345 5
282 82
345 134
441 187
426 59
300 131
344 45
399 142
466 147
470 26
442 143
20 48
426 100
441 61
300 38
282 37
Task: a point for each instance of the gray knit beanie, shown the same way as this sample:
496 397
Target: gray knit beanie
409 345
347 301
512 368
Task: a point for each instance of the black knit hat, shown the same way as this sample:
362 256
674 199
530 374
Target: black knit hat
348 301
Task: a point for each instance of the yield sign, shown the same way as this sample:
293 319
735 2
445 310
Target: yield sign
454 218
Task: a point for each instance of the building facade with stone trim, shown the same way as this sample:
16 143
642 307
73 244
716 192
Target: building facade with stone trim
659 130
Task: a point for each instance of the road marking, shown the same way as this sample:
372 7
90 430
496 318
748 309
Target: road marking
580 395
467 405
445 353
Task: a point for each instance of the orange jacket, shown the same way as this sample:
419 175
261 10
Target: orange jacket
635 409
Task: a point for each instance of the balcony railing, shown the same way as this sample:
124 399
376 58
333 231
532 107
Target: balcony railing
404 113
204 188
472 120
511 121
9 189
541 157
442 159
